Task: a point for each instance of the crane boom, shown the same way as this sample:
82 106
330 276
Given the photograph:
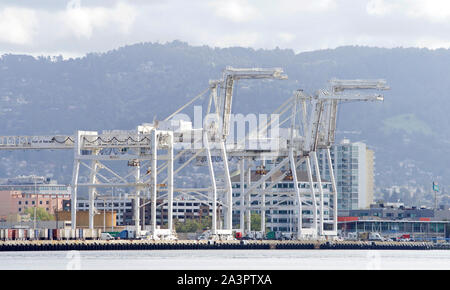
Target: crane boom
232 74
37 142
337 94
358 84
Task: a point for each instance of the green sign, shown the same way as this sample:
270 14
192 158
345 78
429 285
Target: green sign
435 187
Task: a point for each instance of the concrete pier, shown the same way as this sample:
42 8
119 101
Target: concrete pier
97 245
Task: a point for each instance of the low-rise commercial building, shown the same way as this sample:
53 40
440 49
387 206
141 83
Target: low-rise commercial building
397 211
124 207
23 192
281 206
16 202
417 230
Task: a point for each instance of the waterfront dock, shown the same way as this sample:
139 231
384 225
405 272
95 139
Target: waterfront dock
116 245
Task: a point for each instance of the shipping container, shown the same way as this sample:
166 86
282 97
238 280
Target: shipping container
72 234
80 234
62 234
123 235
56 234
20 234
87 233
271 236
30 235
50 234
2 234
43 234
66 234
14 234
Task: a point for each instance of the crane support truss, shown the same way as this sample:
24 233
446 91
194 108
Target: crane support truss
150 154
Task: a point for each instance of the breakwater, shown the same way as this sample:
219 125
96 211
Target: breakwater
97 245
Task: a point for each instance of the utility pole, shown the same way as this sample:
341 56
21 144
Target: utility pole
112 209
35 193
104 215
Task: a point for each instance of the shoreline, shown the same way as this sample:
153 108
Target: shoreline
86 245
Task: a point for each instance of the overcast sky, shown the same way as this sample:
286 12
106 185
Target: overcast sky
75 27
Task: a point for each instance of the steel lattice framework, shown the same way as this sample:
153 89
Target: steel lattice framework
150 152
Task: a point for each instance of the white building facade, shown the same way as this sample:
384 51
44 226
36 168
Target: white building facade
281 208
354 172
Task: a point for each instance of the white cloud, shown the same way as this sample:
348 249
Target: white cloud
286 36
430 10
244 39
82 21
379 7
298 6
17 25
431 43
101 25
234 10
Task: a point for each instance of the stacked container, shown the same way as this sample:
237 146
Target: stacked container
72 234
30 235
87 233
43 234
11 234
56 234
80 234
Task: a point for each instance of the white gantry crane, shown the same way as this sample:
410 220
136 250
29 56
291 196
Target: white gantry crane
219 129
143 160
319 127
315 129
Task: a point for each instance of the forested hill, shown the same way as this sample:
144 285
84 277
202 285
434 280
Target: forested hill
124 87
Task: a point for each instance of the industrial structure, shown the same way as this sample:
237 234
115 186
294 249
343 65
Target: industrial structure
149 153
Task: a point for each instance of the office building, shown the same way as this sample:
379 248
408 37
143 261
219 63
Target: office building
281 205
354 173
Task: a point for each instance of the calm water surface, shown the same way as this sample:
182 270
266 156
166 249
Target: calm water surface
228 259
